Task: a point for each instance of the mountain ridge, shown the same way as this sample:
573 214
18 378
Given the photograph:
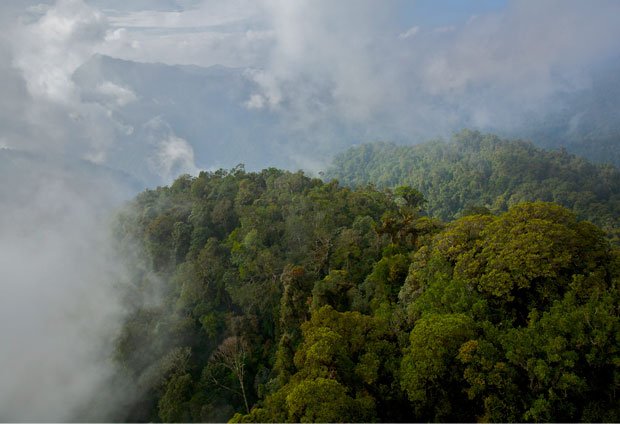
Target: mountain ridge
477 170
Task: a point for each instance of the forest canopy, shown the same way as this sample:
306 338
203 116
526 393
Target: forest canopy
476 171
273 296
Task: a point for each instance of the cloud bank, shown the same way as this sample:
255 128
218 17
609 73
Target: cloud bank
328 74
59 310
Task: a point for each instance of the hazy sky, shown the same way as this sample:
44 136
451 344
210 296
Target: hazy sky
393 70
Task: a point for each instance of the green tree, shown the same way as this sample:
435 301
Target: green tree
431 375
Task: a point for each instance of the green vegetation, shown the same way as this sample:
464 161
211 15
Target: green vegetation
475 172
272 296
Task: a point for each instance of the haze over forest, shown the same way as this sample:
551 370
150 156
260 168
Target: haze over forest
103 99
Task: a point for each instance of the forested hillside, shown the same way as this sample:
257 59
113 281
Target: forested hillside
474 170
272 296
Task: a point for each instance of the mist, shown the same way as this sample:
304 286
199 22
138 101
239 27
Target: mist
161 88
59 310
103 98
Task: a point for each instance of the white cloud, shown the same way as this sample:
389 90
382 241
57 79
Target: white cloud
272 90
526 49
58 307
169 155
202 33
322 58
411 32
174 157
256 101
115 34
328 71
338 60
119 95
52 47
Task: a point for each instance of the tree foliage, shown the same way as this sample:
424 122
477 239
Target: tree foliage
476 172
273 296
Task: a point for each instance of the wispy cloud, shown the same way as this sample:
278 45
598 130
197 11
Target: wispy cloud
174 156
411 32
52 47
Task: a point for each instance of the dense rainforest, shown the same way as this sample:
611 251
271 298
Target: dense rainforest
273 296
477 170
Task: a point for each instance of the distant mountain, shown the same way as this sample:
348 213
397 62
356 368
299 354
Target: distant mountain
476 170
174 119
22 173
152 102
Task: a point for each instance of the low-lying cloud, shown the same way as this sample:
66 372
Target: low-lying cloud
59 310
329 74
